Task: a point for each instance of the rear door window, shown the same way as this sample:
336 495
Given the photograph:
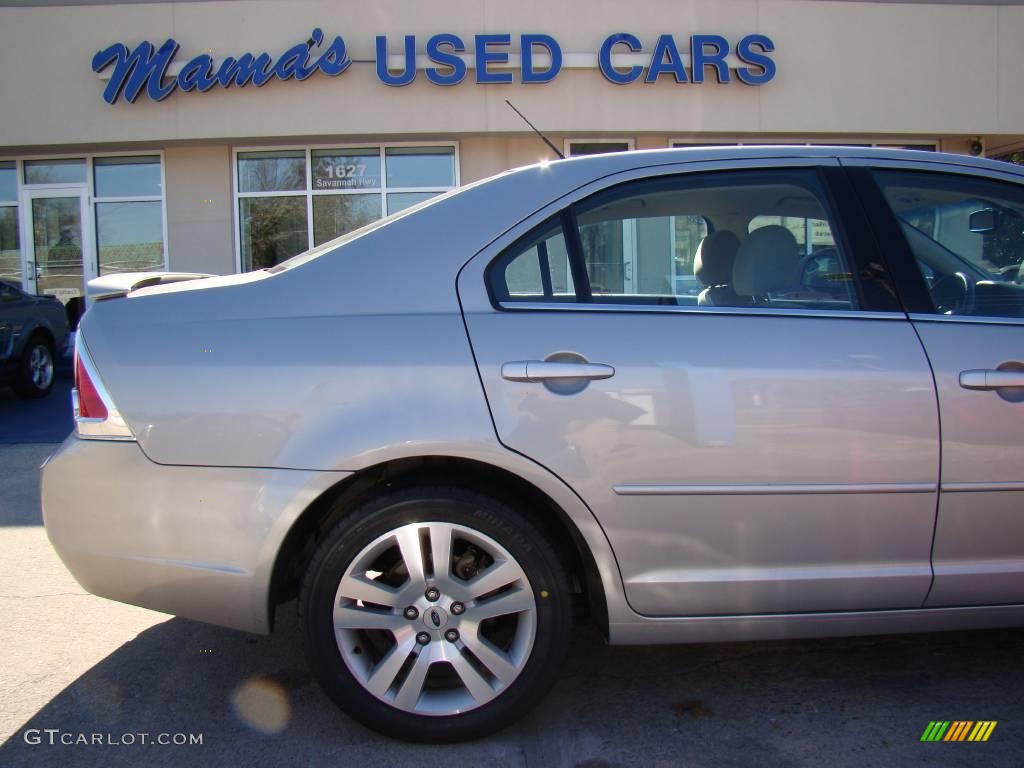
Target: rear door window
740 239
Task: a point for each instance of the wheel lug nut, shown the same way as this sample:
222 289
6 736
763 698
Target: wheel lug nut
411 613
451 635
422 638
458 609
433 594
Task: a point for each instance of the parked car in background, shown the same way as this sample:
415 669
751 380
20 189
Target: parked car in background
33 334
453 432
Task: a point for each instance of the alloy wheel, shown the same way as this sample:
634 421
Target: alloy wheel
40 364
435 618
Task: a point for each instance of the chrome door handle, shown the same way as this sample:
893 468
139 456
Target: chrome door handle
991 379
539 370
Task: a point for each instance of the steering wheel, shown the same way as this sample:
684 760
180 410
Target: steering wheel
954 294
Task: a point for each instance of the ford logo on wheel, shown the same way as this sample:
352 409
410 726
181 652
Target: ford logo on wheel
436 618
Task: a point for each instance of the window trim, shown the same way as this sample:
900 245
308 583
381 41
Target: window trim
89 185
309 193
856 249
839 314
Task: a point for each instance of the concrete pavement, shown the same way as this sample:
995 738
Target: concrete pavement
82 665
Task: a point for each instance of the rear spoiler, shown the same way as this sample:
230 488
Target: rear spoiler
113 286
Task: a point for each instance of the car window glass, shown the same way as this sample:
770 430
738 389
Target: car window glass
740 239
535 269
967 237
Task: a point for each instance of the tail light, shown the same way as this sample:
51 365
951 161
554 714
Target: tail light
90 404
96 418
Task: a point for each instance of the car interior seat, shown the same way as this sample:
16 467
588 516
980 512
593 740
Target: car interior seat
768 263
713 266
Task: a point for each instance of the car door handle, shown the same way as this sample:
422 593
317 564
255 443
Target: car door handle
540 370
991 379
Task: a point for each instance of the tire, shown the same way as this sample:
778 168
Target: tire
36 371
408 679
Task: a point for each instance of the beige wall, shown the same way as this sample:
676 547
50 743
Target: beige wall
199 209
843 67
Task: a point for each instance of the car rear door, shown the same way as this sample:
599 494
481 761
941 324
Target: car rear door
959 235
776 454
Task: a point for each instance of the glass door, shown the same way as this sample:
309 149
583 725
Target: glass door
60 257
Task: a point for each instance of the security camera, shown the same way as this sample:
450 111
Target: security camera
976 147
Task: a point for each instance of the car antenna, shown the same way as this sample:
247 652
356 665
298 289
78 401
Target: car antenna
536 130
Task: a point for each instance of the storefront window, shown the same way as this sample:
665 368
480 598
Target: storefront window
421 166
399 201
8 182
273 229
129 213
271 171
290 200
346 169
10 255
334 214
59 171
133 176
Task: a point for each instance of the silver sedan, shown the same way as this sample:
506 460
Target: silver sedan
685 395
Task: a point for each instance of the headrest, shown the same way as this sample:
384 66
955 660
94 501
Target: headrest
712 264
766 262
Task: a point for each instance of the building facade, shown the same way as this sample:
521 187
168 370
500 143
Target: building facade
228 135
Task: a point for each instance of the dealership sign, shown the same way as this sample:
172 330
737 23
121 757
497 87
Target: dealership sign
447 60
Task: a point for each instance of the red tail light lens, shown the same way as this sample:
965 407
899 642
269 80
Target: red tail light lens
90 405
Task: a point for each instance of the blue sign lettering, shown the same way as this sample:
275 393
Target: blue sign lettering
705 51
666 58
746 53
148 69
485 56
604 59
142 68
408 74
532 75
448 59
700 58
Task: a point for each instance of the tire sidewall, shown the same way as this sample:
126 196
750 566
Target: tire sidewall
24 386
513 532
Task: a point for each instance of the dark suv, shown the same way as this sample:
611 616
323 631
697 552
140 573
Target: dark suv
33 331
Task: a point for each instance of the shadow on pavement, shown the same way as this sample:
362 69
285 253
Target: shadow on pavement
46 420
849 702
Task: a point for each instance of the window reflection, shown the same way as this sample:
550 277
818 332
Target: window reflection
336 215
132 176
421 166
271 171
58 171
129 236
273 229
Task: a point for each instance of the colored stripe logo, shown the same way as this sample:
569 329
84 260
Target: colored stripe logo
959 730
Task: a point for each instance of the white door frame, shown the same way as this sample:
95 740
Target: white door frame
88 244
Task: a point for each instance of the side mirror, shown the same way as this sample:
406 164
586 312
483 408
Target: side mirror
982 222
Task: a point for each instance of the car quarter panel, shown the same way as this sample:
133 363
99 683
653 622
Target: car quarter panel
198 542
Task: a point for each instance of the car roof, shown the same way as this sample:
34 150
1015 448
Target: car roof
618 161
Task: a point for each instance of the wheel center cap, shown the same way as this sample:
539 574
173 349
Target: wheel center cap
435 618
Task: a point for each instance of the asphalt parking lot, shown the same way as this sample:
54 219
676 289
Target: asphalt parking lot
75 665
